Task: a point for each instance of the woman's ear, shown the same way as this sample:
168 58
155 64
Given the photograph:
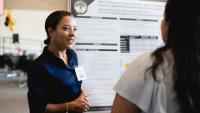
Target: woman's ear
50 31
164 30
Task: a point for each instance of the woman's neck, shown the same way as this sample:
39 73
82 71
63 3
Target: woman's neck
60 53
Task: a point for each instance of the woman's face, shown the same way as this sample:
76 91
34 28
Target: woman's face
65 33
164 30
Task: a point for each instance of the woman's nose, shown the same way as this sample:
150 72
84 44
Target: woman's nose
72 32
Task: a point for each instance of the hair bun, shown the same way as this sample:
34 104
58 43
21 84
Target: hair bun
47 41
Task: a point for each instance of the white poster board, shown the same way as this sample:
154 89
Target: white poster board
111 33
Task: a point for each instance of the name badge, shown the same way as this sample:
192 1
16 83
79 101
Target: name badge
80 73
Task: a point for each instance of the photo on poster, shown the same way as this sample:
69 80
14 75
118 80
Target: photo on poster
80 6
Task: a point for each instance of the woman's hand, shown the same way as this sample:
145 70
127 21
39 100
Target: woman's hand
80 104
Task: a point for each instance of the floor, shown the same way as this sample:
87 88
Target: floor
13 98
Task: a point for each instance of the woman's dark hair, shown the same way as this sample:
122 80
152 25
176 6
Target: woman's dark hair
184 42
53 20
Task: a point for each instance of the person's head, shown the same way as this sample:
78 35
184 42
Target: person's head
61 29
181 22
181 34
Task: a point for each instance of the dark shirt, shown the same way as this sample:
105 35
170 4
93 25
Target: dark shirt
50 80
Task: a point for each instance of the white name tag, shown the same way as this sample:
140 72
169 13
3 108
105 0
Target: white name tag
80 73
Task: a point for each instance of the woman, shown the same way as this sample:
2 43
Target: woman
167 80
52 82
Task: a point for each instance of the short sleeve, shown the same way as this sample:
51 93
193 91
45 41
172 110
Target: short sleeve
135 85
36 90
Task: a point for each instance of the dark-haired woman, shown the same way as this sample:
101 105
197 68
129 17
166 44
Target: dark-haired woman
168 79
53 86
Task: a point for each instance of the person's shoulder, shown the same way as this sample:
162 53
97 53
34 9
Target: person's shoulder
38 61
139 65
144 59
144 56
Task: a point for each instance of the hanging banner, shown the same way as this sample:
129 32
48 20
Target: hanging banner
111 33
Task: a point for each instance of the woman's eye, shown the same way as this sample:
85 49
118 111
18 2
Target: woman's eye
65 28
75 29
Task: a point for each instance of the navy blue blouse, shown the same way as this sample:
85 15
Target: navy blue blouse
51 81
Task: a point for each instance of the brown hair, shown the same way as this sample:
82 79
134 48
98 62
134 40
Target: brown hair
52 21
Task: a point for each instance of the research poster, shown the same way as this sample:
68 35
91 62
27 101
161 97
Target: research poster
111 33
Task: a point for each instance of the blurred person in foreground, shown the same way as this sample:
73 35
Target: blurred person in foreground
168 79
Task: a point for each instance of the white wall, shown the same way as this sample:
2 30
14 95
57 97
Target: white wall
36 4
29 24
